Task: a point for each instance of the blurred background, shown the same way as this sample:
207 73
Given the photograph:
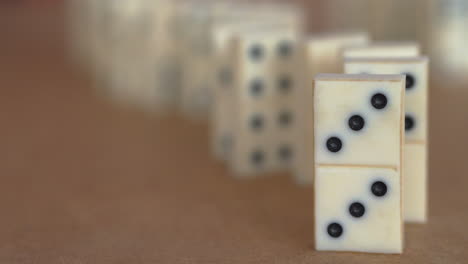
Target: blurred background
88 177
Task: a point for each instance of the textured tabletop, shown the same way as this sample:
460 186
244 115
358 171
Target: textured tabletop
83 181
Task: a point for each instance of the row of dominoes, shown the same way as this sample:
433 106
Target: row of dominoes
159 55
336 110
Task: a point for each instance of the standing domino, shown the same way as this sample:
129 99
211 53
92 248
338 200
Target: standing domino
324 51
416 123
264 82
200 46
358 136
222 71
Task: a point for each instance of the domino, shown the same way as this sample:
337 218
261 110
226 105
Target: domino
141 56
203 45
124 53
324 51
416 124
165 68
223 91
383 49
196 94
157 36
322 54
197 50
263 119
358 158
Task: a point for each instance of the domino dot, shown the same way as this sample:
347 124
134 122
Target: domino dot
284 153
410 81
357 209
256 87
409 123
257 157
284 49
284 84
356 122
334 144
335 230
379 101
379 188
256 122
284 118
256 52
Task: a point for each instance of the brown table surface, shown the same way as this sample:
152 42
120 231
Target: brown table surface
83 181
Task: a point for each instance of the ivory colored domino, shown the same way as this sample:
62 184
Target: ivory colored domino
383 49
264 83
416 124
116 57
222 71
358 158
134 52
200 22
223 90
322 54
323 51
195 22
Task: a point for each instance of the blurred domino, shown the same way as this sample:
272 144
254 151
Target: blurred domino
163 60
124 45
263 118
138 59
195 22
324 51
223 91
202 45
